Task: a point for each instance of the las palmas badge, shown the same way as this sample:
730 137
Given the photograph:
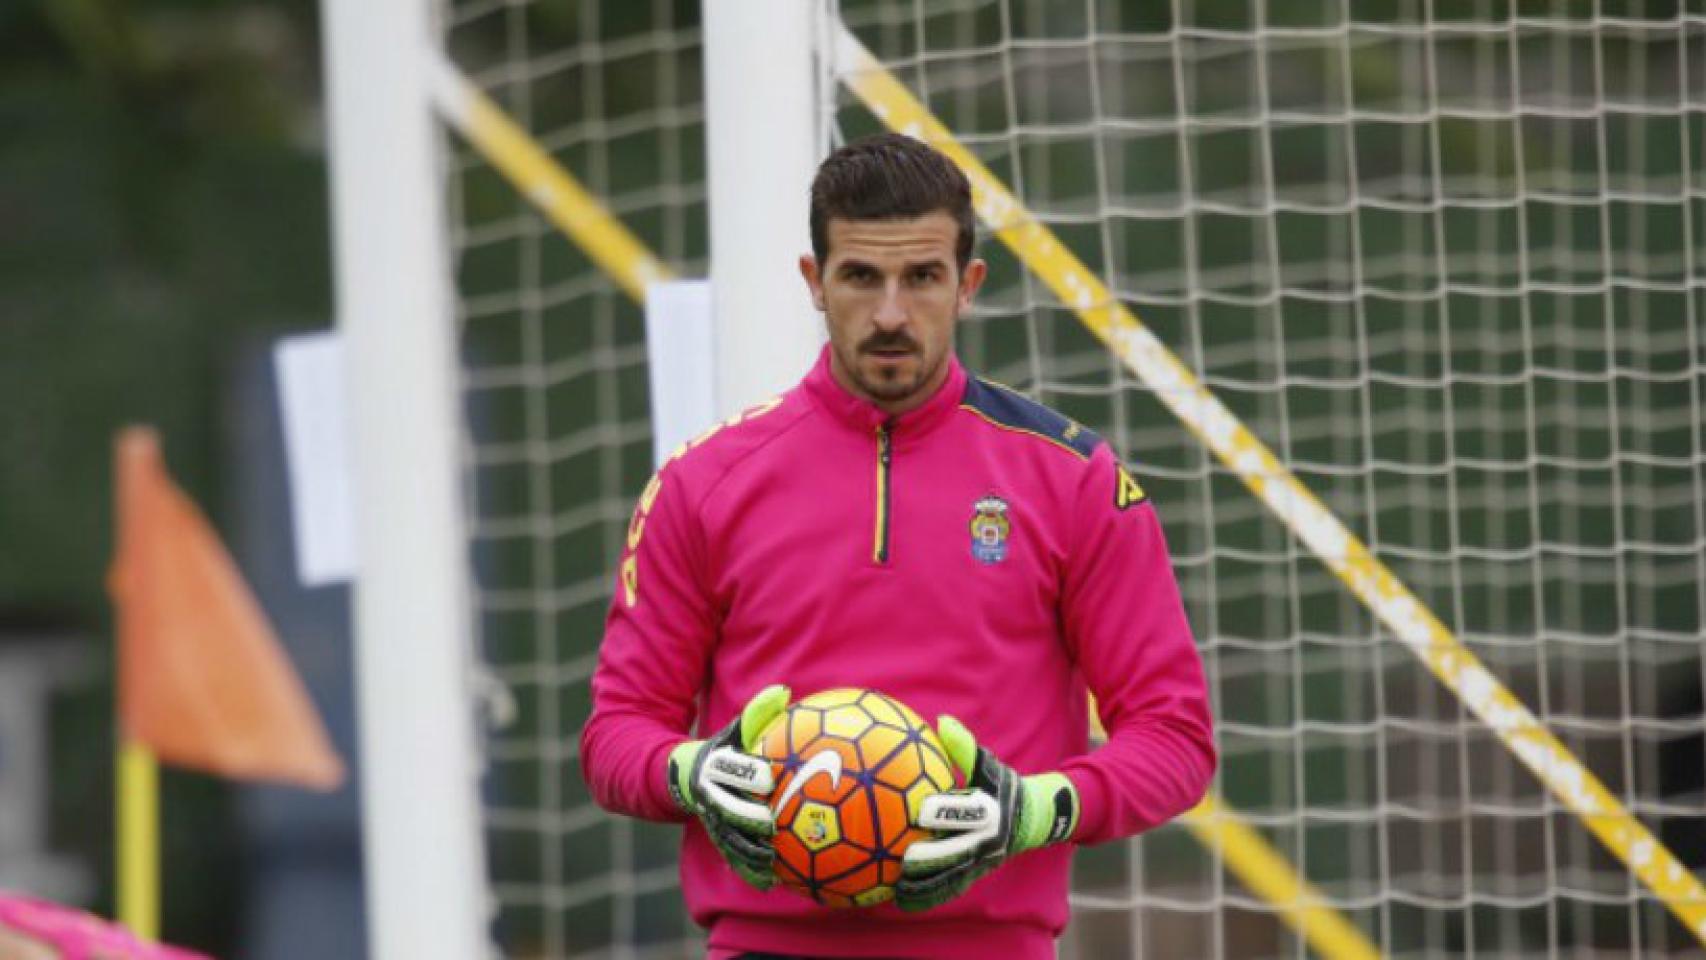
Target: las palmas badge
989 530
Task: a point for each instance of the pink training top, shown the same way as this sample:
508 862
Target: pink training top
75 935
980 555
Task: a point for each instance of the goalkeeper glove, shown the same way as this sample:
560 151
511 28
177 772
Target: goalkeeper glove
999 814
714 780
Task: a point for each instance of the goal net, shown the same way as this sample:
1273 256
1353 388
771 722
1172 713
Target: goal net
1441 257
559 441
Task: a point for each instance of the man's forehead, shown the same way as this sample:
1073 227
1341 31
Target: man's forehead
932 236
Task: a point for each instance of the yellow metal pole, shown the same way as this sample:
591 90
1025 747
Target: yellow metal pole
139 840
1268 875
544 182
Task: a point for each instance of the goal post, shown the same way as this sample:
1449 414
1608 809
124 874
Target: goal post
764 137
424 859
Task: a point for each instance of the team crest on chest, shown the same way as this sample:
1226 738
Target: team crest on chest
990 529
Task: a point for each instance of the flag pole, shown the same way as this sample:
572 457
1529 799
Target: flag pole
202 680
138 804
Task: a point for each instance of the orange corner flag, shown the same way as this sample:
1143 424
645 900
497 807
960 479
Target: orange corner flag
202 680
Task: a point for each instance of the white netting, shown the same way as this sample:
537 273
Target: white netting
1445 258
559 441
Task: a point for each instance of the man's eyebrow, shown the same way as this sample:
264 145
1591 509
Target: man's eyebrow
854 263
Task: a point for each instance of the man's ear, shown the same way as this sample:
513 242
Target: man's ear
971 280
814 280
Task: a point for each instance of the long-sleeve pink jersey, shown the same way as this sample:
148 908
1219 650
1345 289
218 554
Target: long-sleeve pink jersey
981 556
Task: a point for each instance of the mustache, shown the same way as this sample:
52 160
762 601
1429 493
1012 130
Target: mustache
892 341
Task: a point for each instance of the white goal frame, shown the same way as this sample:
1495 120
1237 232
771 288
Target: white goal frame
423 848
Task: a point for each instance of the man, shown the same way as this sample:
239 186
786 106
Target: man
892 523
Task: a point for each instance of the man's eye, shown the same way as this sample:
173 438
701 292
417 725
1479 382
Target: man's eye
924 275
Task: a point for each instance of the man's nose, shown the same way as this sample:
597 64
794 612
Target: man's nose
891 312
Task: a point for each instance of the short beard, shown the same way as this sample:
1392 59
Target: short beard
891 390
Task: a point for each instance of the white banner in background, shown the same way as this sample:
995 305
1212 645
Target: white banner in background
680 351
311 397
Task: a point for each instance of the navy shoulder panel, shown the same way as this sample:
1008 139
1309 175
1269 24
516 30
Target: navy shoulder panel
1014 411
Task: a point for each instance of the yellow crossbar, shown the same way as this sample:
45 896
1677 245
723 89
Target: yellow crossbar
545 183
1266 873
1261 868
1414 625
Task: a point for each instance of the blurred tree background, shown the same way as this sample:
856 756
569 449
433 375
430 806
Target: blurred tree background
163 196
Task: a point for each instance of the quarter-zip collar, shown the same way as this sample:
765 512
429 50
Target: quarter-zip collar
865 417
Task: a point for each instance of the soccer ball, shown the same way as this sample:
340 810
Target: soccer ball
851 768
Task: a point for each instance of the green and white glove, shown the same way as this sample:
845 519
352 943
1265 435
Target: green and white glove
719 781
997 815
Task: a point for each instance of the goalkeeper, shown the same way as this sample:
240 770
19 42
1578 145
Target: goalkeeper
895 523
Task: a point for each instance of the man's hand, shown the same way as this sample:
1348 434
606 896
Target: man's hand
724 785
998 814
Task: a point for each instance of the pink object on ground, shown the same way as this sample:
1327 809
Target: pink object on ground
76 935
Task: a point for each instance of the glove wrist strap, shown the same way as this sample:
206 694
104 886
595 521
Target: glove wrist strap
682 760
1049 813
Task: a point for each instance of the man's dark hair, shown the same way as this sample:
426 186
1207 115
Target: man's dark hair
889 177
